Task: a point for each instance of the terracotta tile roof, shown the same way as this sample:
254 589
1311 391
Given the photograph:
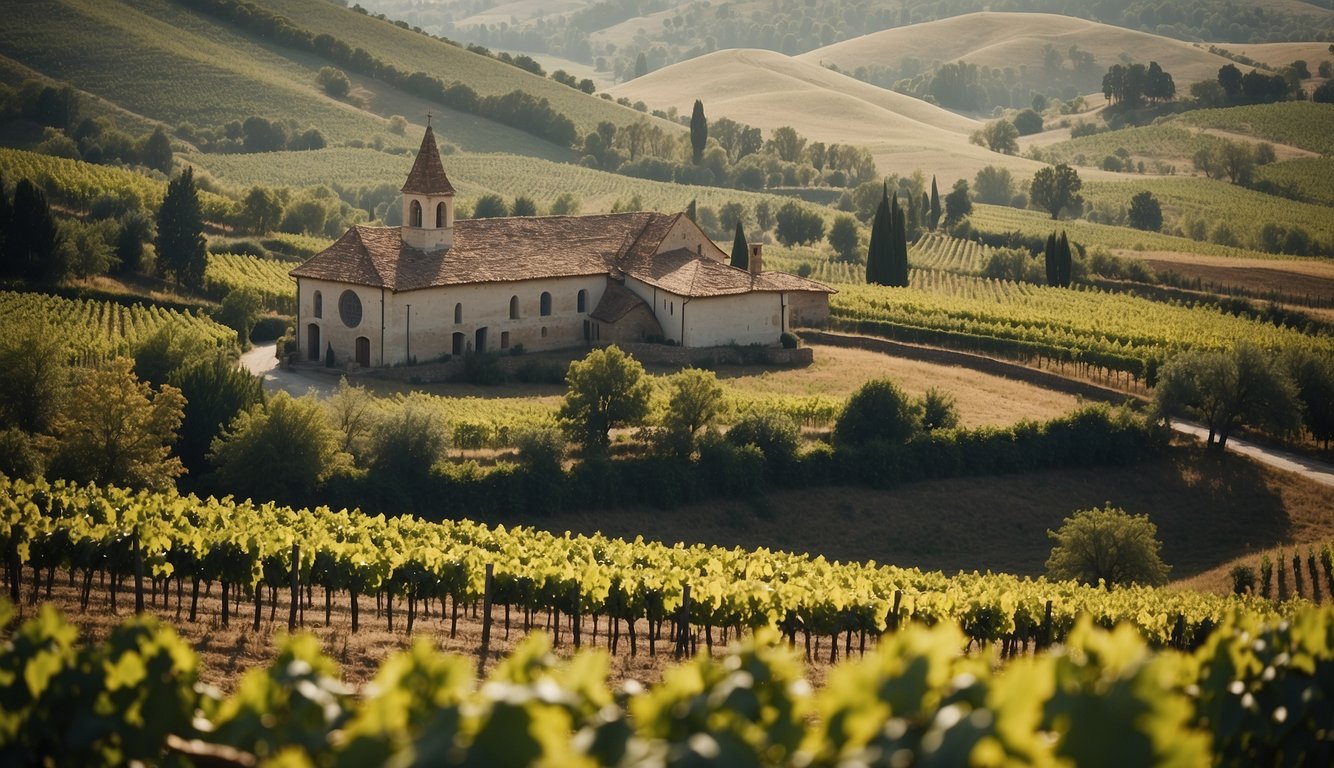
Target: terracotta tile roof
427 176
685 273
531 248
484 250
617 302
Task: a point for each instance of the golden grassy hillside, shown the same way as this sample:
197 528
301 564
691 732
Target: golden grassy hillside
1018 39
1280 55
768 90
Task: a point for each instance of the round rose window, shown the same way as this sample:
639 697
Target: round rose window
349 309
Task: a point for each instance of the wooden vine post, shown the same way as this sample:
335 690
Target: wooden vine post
683 623
138 572
486 620
295 586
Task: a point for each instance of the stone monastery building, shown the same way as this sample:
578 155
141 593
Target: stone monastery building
435 286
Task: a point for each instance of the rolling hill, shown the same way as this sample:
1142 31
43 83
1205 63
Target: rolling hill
1018 40
768 90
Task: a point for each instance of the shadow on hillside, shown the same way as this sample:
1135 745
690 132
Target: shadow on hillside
1208 509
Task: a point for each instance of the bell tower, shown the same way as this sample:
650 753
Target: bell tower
428 200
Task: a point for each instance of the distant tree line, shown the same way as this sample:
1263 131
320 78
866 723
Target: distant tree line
517 108
254 134
70 134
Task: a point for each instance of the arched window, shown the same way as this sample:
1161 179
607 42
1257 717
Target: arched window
544 331
319 304
514 307
415 214
458 313
439 215
545 304
582 301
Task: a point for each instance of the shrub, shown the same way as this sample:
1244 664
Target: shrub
773 432
789 340
877 412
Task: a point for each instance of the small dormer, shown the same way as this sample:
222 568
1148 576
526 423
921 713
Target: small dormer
428 200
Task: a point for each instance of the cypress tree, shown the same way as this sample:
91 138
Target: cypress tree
6 268
935 205
1049 258
898 245
740 251
691 210
924 211
32 245
1064 274
699 132
876 252
180 233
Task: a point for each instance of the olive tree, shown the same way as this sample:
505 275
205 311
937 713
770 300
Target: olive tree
1226 389
1107 546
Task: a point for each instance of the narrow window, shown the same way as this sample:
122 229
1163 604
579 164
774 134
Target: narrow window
504 339
415 214
439 215
582 301
458 313
514 307
319 304
545 304
544 331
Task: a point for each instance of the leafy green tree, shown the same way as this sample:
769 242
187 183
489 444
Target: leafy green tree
261 210
240 311
798 226
523 206
939 410
406 444
334 81
279 451
877 412
604 390
33 373
695 403
1236 160
216 389
699 132
114 429
958 203
1313 373
351 409
490 207
772 431
85 247
565 204
136 231
167 349
740 249
1107 546
786 143
1056 188
844 237
641 65
999 136
180 233
1028 122
156 151
993 185
1226 389
1145 212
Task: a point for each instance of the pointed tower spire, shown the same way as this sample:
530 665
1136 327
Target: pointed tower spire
428 200
427 176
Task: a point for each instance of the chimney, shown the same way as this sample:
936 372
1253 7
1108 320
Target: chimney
756 260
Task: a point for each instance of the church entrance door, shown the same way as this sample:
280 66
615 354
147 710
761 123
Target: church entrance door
459 341
363 352
313 342
479 345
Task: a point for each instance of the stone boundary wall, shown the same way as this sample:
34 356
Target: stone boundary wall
661 354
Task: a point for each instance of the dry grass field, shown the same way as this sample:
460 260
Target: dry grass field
769 90
1017 39
1290 277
